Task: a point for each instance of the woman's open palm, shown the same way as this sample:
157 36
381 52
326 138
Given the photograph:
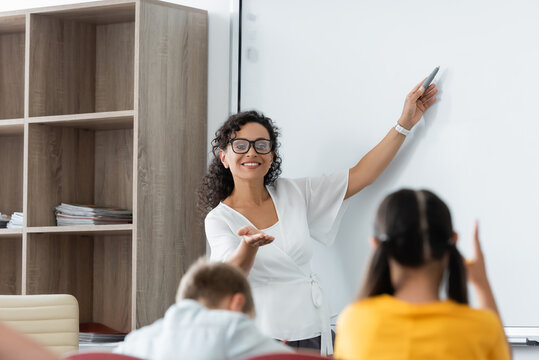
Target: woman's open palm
254 237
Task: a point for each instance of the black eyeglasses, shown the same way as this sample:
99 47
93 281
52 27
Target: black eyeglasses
242 146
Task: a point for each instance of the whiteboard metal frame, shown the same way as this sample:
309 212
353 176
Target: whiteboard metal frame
522 335
516 335
235 56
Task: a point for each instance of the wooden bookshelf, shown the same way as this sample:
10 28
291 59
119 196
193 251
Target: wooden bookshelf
103 103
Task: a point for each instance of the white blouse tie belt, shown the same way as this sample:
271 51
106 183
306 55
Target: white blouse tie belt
326 341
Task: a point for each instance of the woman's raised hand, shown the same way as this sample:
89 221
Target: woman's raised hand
254 237
417 101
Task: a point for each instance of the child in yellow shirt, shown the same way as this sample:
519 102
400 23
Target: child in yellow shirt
399 314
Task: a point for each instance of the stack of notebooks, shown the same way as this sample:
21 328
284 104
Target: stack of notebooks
13 222
91 338
98 333
16 221
70 214
4 219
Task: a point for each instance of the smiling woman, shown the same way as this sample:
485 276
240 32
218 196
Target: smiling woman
267 225
245 160
218 183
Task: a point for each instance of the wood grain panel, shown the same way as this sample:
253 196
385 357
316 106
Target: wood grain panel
106 12
114 168
11 175
60 169
171 151
10 233
10 271
62 264
62 66
14 23
12 76
111 120
12 127
114 66
89 230
112 282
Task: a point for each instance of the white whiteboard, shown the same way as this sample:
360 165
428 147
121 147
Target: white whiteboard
333 75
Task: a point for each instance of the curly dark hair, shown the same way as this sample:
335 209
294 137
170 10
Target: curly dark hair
218 183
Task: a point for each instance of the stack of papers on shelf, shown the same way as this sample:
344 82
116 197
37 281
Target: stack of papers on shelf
89 338
69 214
16 221
98 333
4 219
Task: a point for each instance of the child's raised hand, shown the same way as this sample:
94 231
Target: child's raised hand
475 267
477 275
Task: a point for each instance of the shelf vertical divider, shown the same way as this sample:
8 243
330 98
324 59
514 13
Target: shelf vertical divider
134 248
171 126
24 252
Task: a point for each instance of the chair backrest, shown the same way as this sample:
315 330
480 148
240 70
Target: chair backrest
51 320
288 356
95 355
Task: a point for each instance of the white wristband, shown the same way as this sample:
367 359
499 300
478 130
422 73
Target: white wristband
401 130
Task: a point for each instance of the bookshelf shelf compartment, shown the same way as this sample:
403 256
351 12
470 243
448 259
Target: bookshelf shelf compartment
11 175
96 269
77 166
82 61
10 258
12 38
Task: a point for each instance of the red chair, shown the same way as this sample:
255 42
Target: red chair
98 355
289 356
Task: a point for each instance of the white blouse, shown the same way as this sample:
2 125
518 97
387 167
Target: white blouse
289 301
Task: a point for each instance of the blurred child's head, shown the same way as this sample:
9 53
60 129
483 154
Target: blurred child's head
413 229
217 285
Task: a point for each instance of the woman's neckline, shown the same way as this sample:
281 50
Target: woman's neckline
249 221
